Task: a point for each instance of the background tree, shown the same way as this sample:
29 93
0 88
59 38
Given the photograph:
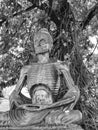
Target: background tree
70 23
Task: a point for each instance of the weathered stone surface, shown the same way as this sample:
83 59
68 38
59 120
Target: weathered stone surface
71 127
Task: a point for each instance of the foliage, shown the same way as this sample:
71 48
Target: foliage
68 22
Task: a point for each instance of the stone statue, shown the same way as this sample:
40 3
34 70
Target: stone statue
51 87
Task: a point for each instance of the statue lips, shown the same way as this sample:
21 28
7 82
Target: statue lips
63 102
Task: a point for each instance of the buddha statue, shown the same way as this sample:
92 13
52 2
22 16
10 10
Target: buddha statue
53 94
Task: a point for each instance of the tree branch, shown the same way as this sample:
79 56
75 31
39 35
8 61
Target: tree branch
8 83
93 11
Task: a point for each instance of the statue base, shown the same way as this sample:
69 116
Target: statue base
50 127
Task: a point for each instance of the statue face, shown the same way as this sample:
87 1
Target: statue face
42 41
41 97
41 45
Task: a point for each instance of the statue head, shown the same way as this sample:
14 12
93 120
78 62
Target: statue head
43 41
41 95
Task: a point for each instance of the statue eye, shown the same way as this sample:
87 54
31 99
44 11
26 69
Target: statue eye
42 41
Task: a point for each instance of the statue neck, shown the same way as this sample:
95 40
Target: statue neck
43 58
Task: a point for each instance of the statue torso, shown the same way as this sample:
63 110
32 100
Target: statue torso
46 74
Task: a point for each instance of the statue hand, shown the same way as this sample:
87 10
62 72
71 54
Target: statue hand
14 97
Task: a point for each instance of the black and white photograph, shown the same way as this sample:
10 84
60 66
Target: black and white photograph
48 64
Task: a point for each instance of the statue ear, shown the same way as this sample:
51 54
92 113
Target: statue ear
50 48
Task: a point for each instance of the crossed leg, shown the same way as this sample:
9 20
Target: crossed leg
65 118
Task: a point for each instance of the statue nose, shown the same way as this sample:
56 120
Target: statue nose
41 99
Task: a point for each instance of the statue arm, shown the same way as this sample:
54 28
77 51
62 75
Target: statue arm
15 94
21 80
73 90
20 83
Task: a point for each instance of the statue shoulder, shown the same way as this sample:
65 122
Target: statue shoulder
25 69
61 65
